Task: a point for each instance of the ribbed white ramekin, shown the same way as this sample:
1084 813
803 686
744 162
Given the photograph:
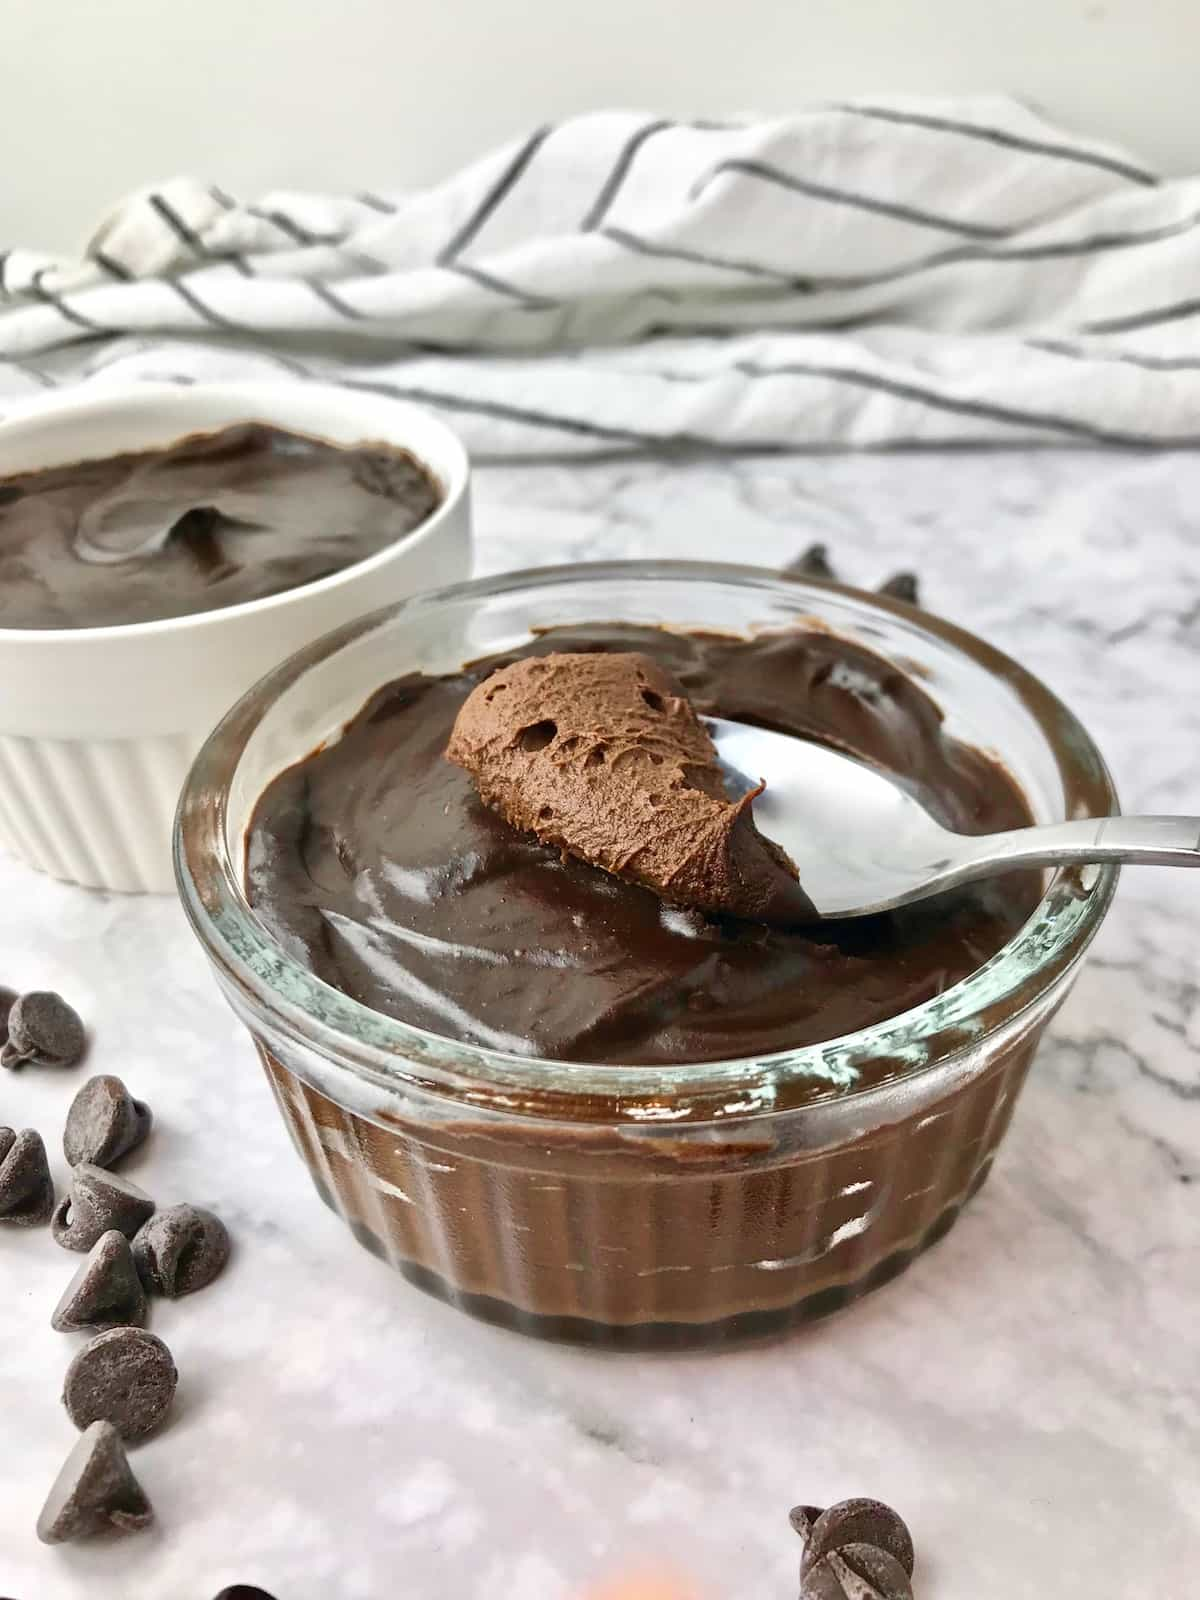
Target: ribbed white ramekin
98 726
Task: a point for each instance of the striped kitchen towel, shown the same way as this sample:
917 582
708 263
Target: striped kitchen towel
859 275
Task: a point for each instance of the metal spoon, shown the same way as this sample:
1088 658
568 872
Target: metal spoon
862 844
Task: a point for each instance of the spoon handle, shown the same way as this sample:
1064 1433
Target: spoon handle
1153 841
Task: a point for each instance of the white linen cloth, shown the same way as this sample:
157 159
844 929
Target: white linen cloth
900 272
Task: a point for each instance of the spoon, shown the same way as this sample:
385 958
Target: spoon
862 844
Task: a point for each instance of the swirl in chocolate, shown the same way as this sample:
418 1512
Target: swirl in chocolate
211 521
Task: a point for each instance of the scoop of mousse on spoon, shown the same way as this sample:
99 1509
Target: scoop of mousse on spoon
603 756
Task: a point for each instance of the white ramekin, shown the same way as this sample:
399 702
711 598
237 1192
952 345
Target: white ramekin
98 726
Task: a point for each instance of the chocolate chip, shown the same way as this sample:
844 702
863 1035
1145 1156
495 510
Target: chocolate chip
857 1572
125 1376
8 998
180 1250
95 1492
43 1029
106 1292
859 1522
26 1188
104 1123
244 1591
812 563
902 586
98 1201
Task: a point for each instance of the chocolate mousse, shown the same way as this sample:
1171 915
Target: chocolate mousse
210 521
376 862
603 756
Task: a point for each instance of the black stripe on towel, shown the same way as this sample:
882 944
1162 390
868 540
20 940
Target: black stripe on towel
535 417
903 390
1129 358
1010 141
376 202
61 306
295 231
489 280
335 301
624 161
528 415
1142 319
297 368
368 265
29 371
848 197
617 174
503 184
181 229
1050 250
701 258
111 265
185 232
214 318
1093 244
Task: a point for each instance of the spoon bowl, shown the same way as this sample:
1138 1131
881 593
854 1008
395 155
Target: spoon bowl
862 844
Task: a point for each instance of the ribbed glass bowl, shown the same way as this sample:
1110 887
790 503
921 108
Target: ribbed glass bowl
624 1204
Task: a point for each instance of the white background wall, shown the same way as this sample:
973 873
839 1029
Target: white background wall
100 96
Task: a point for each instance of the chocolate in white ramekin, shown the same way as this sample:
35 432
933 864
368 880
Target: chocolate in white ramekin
98 726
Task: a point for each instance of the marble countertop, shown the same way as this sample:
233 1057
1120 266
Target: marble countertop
1026 1394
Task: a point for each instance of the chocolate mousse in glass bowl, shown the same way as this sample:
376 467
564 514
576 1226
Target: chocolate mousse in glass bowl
613 1102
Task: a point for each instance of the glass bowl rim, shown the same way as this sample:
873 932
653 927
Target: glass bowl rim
282 995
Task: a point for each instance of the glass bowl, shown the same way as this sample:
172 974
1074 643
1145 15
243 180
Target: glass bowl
627 1205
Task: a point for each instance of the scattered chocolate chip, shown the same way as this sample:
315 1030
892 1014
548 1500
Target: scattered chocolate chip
26 1187
902 586
180 1250
859 1522
125 1376
104 1123
95 1492
106 1292
44 1030
812 563
244 1591
857 1572
98 1201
